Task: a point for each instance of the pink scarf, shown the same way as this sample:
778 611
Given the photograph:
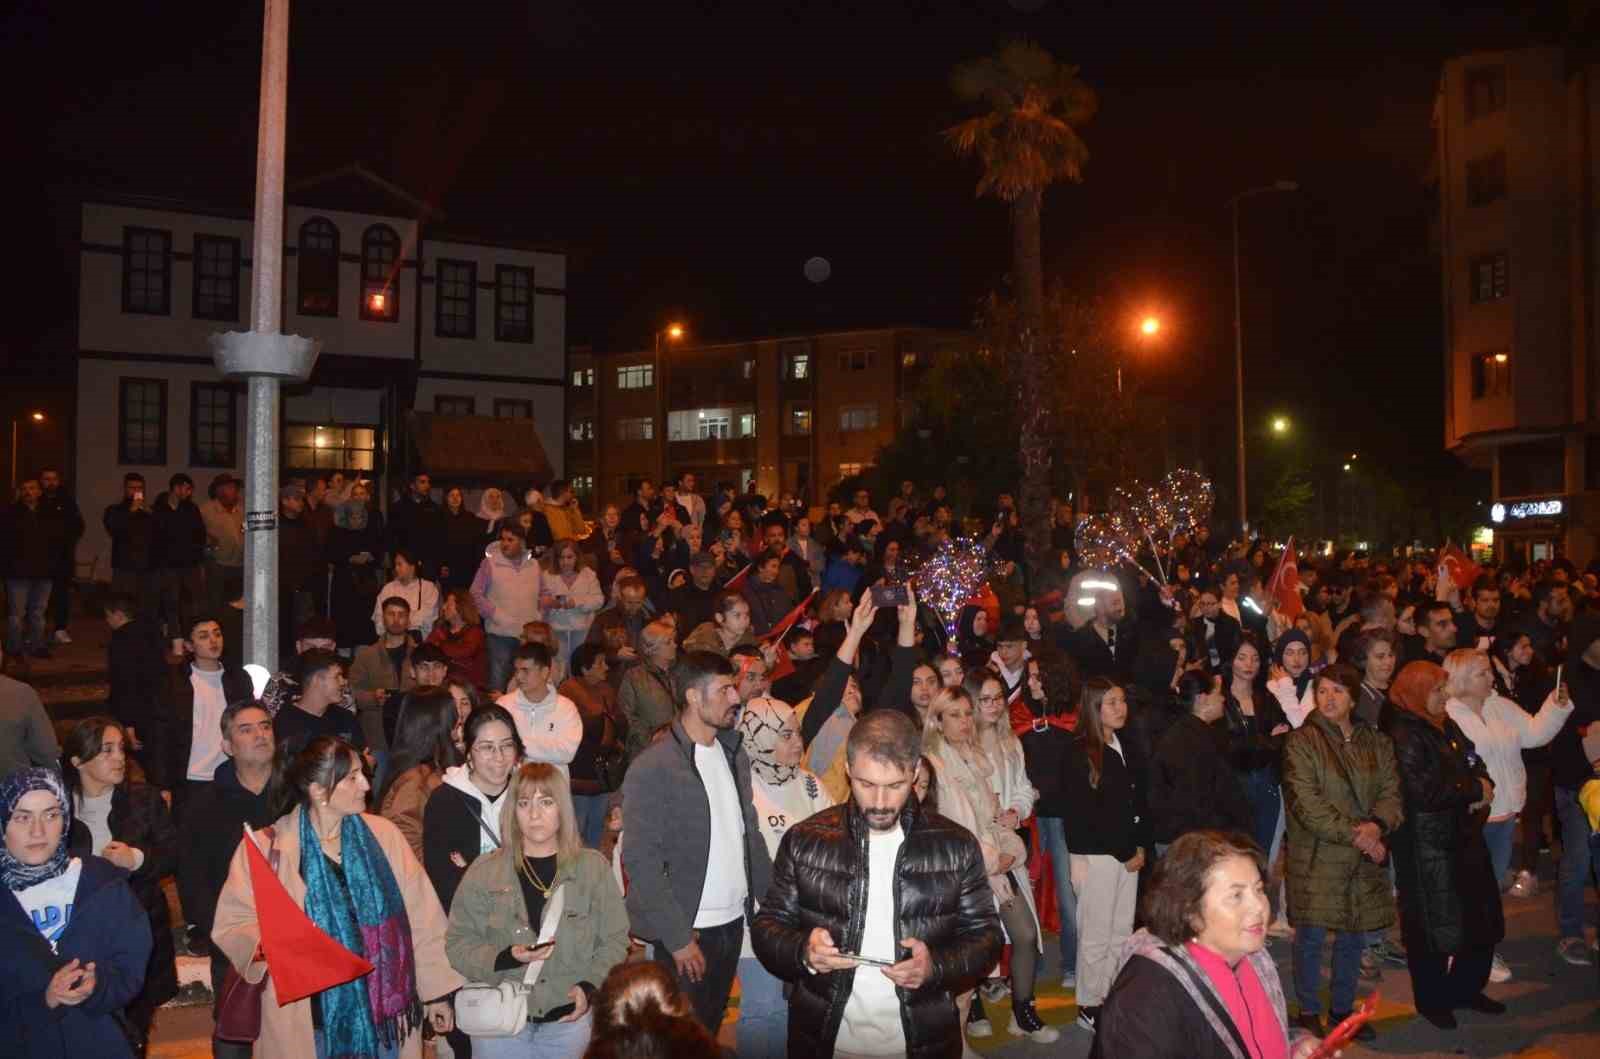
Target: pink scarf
1246 1000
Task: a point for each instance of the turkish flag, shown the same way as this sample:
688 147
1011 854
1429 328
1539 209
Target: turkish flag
1285 584
781 629
736 582
1463 571
301 957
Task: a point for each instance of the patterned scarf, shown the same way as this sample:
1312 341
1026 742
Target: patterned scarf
15 874
366 915
351 515
765 723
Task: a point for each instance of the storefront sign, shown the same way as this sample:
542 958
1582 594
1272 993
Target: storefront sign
1523 510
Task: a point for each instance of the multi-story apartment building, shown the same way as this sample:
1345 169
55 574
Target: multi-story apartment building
1518 187
418 325
793 414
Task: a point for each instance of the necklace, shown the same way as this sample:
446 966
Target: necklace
539 884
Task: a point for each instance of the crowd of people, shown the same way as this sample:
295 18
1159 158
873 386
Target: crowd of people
564 784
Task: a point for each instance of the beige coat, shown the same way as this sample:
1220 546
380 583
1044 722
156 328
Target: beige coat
286 1031
406 800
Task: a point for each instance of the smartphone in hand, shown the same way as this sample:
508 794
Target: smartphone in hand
869 960
889 596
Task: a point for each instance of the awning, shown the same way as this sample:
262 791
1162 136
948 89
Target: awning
478 447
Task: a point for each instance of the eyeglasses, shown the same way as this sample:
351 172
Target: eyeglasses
507 747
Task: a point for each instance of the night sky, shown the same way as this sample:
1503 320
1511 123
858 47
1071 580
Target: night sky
692 157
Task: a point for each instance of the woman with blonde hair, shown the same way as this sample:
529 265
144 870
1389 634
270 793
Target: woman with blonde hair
570 920
569 596
967 796
1500 730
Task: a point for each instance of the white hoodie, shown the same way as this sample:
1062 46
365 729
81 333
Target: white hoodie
551 728
456 776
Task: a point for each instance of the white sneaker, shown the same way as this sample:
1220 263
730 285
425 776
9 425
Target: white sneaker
1499 971
62 636
1525 885
1042 1035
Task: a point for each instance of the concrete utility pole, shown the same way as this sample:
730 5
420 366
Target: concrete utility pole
263 355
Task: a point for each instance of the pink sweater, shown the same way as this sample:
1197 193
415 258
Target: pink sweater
1246 1000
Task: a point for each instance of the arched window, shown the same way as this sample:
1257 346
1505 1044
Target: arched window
319 268
380 267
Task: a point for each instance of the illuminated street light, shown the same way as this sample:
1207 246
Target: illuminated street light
1150 325
37 417
1280 425
673 332
1347 466
376 302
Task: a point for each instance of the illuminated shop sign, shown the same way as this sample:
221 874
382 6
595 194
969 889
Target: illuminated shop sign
1522 510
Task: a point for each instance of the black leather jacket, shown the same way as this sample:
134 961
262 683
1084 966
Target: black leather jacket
941 897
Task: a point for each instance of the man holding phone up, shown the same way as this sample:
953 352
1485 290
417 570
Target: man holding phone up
910 920
134 558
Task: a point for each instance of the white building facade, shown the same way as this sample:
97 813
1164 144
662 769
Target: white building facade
412 318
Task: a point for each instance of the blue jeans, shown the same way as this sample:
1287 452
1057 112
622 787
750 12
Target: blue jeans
26 596
538 1040
1053 840
763 1028
591 813
1261 791
1501 835
502 653
1307 955
1576 866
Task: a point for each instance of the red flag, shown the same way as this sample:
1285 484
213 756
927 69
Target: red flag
1285 584
301 957
1463 571
736 582
781 629
782 665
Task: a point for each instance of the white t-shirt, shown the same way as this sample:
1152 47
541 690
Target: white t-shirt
205 751
723 893
49 904
871 1023
96 816
780 808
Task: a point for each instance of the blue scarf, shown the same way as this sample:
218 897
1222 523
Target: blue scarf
15 874
366 915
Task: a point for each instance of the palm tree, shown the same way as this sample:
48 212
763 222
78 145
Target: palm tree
1026 139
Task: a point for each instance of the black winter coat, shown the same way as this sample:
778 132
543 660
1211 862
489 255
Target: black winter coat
168 766
1108 819
1251 744
66 509
463 547
1192 784
180 534
418 526
32 540
133 538
213 824
139 818
449 825
136 663
1449 902
941 897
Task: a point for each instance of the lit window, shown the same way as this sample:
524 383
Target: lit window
750 368
850 470
1490 278
582 377
747 425
146 271
317 265
309 447
380 269
581 429
456 290
636 377
714 425
642 428
1491 375
583 485
909 358
216 280
799 366
853 417
513 304
799 421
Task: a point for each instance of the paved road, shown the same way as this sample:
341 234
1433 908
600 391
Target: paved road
1555 1009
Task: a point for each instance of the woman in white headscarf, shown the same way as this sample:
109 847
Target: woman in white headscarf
784 794
494 510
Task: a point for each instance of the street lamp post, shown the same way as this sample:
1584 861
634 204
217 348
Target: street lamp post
1238 339
263 355
672 332
16 421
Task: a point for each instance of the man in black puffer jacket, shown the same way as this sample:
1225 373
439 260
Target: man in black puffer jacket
880 878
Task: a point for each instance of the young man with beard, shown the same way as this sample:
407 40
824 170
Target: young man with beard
694 852
887 882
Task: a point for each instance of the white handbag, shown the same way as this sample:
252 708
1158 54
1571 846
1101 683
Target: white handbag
500 1009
